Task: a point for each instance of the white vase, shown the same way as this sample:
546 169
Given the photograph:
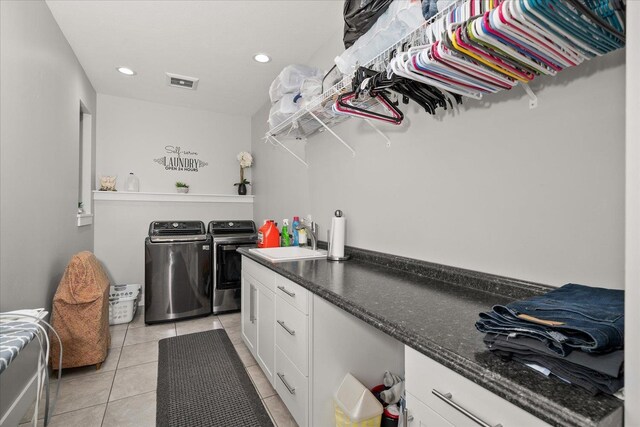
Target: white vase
182 189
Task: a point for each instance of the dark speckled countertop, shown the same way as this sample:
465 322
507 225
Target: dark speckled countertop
433 309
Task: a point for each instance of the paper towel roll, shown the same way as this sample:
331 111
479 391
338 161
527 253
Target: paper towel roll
338 233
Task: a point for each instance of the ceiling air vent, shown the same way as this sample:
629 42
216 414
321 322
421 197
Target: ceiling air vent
184 82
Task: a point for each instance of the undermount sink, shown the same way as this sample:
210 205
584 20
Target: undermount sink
290 253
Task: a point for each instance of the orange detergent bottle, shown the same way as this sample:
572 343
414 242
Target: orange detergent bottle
261 231
271 235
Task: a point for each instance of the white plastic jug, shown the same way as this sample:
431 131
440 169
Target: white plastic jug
132 183
356 405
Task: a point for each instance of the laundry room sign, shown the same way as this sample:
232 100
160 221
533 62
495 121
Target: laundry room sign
177 159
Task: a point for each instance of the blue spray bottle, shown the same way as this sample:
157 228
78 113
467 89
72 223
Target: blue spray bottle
294 228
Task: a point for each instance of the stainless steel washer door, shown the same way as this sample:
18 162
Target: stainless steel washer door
177 280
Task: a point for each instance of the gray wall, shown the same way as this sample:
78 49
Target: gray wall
132 133
533 194
122 226
42 85
632 288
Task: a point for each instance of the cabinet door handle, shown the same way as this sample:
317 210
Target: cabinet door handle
406 417
291 331
292 390
283 289
252 314
447 398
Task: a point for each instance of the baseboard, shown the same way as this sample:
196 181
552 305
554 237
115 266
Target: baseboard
21 404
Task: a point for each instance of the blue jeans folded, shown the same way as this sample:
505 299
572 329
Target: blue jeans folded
429 9
571 317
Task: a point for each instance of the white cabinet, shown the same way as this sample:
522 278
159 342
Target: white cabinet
275 327
293 388
248 302
292 331
265 352
292 348
293 293
258 305
420 415
345 344
439 393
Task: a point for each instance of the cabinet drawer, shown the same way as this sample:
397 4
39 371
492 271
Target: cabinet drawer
425 378
293 388
260 273
420 415
292 334
293 293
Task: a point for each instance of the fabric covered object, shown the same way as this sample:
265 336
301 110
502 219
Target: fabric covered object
567 318
594 372
400 19
80 313
280 111
290 80
429 9
359 17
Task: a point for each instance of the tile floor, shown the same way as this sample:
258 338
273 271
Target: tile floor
123 392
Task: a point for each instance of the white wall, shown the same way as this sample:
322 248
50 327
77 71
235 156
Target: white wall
533 194
132 133
42 86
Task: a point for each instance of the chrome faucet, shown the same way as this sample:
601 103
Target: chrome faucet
312 231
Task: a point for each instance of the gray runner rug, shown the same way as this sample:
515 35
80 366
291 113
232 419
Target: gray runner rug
202 382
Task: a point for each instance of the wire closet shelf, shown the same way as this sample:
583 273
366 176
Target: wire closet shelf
318 114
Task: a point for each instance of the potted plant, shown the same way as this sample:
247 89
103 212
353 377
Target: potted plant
246 160
181 187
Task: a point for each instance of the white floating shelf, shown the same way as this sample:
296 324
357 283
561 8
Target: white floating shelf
125 196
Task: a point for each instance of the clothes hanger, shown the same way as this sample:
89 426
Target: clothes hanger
533 52
401 66
576 23
533 15
593 15
486 58
443 54
340 110
425 63
342 105
462 56
480 31
426 96
432 60
532 47
519 17
474 36
506 24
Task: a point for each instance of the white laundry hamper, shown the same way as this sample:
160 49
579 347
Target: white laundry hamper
123 303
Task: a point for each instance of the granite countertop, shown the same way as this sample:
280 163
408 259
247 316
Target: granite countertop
433 309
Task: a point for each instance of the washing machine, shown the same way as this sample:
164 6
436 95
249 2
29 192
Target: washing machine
178 283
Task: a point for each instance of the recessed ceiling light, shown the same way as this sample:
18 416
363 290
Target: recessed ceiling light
126 71
261 57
